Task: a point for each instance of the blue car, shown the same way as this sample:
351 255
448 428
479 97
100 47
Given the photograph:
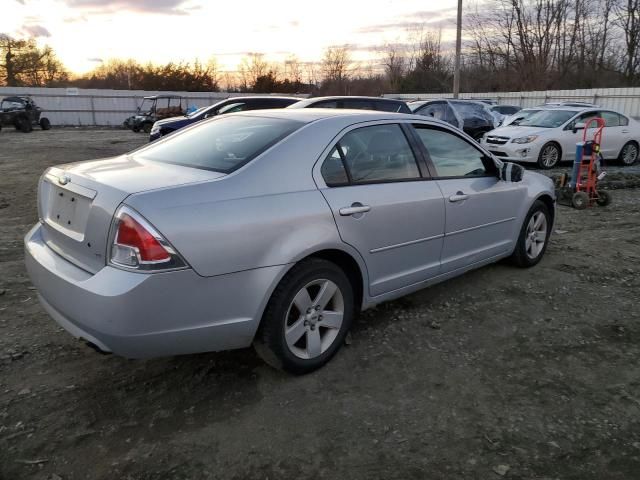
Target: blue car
229 105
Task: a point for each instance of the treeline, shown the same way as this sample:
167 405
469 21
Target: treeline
508 45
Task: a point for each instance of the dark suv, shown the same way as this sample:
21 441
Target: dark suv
229 105
22 113
359 103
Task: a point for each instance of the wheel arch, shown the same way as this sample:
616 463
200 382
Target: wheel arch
350 262
550 204
634 142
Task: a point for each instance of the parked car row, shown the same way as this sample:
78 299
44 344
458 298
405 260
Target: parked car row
239 104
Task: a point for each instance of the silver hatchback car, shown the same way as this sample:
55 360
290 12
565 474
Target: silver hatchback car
273 228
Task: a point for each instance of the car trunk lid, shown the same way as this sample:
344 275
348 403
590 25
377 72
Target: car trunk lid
76 202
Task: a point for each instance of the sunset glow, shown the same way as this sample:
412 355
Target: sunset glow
86 32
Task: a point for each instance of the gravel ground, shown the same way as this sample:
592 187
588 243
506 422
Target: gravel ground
501 373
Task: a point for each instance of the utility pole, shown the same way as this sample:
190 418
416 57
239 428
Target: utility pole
456 73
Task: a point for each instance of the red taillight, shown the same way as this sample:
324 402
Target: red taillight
132 234
137 245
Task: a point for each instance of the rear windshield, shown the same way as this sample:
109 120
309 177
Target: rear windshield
470 110
222 145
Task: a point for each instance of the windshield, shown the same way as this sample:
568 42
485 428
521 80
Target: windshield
222 145
197 112
548 119
146 105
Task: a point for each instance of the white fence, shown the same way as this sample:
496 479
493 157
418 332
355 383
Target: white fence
77 106
625 100
73 106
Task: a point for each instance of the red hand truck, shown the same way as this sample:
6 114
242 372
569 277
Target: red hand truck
582 189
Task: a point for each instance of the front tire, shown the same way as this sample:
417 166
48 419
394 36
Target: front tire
534 236
549 156
45 124
23 124
307 317
629 154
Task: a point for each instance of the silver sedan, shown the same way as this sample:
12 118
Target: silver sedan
273 228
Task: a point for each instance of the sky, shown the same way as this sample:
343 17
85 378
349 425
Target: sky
85 32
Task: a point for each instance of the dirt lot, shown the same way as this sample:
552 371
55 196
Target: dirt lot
523 374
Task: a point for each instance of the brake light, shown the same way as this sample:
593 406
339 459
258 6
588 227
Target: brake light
137 245
133 235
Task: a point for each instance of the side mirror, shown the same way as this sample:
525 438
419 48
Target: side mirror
578 126
510 172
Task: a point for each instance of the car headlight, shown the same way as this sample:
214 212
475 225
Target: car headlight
528 139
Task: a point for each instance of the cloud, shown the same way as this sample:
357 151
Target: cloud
36 31
166 7
415 20
76 19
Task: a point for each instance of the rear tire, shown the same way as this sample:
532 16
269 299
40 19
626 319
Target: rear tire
307 317
534 236
45 124
147 127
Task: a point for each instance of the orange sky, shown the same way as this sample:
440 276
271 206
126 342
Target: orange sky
84 32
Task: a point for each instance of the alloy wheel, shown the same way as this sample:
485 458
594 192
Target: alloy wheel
536 235
314 319
629 154
550 156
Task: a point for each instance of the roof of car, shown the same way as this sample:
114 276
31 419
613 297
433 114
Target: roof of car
308 101
14 98
308 115
262 97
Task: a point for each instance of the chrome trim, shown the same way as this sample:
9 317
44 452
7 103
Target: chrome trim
497 222
404 244
71 187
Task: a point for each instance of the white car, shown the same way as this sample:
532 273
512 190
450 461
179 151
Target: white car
549 136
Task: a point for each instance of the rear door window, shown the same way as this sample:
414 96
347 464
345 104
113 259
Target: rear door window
380 153
222 145
611 119
388 106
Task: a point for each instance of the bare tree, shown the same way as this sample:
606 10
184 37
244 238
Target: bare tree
627 14
335 64
396 62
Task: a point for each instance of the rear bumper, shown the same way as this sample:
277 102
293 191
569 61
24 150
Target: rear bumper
139 315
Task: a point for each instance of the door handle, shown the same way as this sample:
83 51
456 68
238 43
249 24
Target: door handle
458 197
625 131
354 209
